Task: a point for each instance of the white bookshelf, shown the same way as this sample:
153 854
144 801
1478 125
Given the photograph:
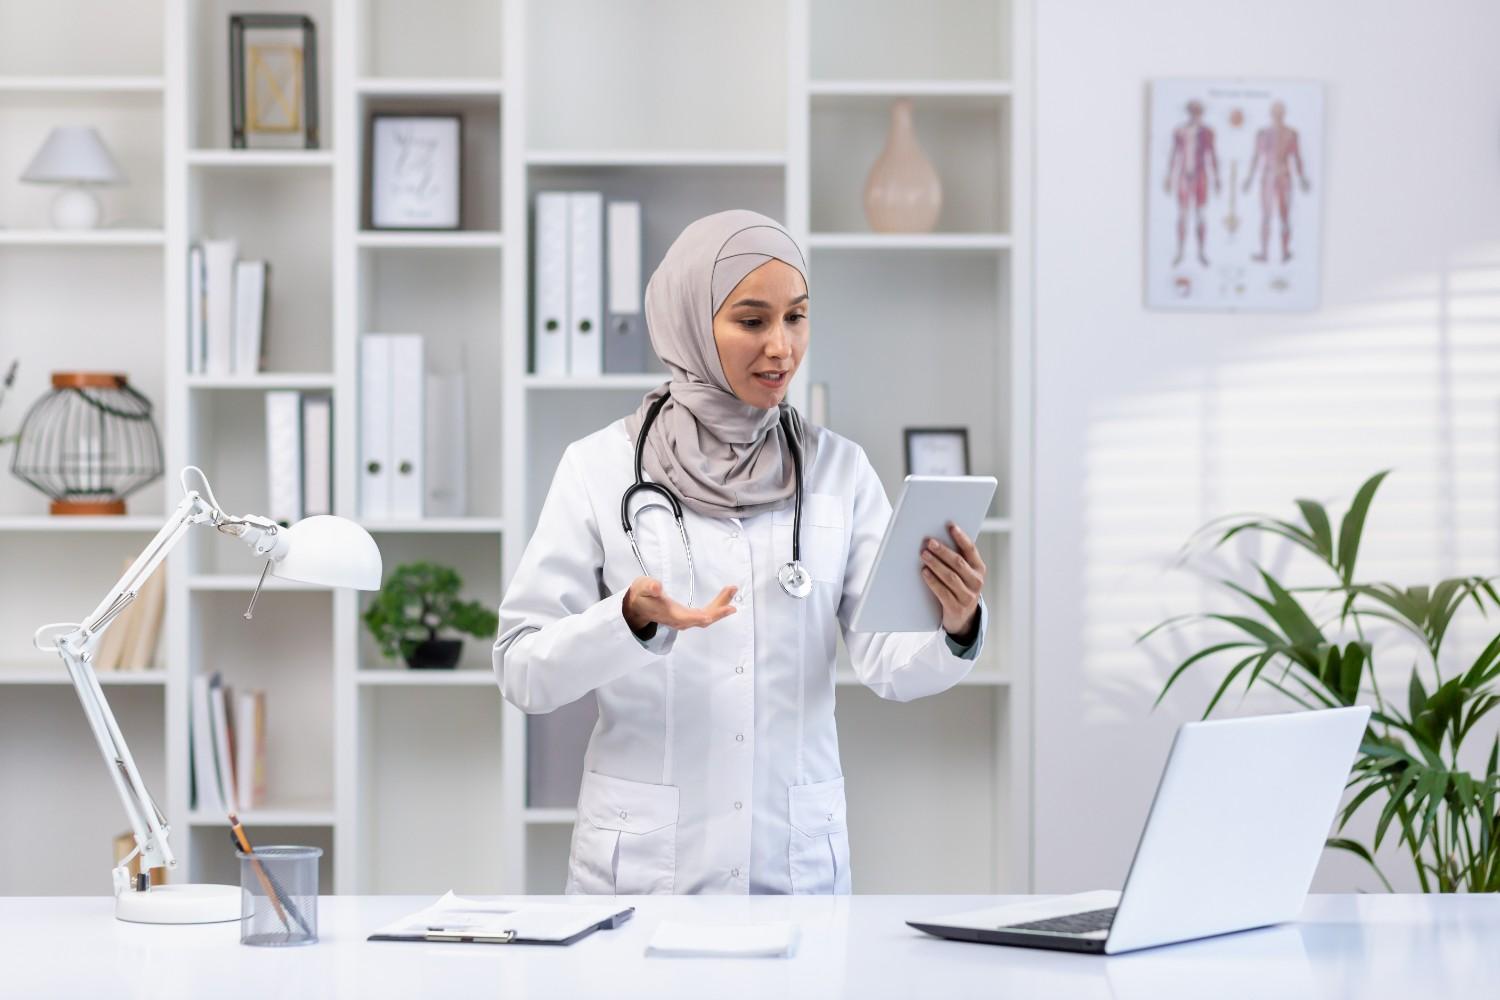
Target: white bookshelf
368 758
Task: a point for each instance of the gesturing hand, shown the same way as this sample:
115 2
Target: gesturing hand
957 578
645 603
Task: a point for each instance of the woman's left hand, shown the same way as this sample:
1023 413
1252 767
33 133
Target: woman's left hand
957 578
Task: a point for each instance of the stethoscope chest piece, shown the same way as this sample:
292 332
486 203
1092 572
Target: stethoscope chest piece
795 579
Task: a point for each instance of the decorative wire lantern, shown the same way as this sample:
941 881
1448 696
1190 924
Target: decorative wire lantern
88 444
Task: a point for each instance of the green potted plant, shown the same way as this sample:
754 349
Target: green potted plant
415 602
1311 645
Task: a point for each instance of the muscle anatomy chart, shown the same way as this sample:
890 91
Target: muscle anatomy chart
1233 211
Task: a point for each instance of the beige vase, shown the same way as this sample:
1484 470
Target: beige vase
902 193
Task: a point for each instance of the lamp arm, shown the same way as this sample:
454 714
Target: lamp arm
77 644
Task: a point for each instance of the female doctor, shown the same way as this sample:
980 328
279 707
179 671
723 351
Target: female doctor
714 766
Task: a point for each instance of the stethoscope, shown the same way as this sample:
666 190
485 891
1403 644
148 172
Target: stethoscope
793 576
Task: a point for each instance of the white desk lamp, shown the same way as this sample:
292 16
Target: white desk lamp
75 157
322 549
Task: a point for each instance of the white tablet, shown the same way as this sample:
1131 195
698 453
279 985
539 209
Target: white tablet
896 598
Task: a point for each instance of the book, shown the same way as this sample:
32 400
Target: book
197 344
249 724
218 269
221 720
148 608
206 797
374 426
117 637
250 279
408 414
549 332
447 448
585 283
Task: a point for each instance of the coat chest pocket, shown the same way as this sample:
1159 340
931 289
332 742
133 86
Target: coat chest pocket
822 536
818 841
625 840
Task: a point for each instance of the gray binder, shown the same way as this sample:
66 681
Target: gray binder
626 347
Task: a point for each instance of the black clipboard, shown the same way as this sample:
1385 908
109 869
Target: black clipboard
458 936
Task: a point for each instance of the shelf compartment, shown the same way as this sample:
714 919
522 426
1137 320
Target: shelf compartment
61 41
897 39
479 174
282 217
430 759
967 139
656 103
476 559
400 41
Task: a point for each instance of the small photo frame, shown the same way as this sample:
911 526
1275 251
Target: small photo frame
273 81
937 451
416 171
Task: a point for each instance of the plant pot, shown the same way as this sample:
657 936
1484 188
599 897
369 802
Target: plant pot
435 654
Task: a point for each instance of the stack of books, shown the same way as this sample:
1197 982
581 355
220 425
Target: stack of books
228 747
587 315
226 310
131 639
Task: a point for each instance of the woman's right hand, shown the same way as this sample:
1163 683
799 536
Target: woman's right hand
645 603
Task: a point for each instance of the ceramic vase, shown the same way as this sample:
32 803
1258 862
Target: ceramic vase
902 193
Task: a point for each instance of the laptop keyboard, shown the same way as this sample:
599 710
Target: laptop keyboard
1070 923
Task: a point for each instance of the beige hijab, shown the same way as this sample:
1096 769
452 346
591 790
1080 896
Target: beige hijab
722 457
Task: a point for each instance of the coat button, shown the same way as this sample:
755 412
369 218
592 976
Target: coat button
830 817
735 872
739 805
739 737
740 669
622 813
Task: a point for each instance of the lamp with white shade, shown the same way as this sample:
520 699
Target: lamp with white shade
325 550
75 157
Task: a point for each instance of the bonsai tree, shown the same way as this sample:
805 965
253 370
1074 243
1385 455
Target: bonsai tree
417 601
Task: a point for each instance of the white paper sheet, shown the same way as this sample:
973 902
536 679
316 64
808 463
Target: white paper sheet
674 938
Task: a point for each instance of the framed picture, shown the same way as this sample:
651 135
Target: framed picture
937 451
416 171
273 82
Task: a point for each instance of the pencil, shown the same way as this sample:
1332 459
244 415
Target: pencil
260 872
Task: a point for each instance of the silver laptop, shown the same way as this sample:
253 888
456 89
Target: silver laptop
1231 842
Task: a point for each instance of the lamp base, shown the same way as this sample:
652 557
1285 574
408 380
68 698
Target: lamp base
76 207
179 904
80 507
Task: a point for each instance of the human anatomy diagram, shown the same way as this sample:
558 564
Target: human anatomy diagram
1225 156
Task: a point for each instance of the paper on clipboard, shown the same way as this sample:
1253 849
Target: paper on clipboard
456 918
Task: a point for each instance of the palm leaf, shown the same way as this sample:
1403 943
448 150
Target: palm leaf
1353 525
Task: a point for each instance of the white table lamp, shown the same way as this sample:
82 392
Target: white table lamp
326 550
75 157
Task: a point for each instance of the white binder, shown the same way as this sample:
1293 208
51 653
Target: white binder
218 271
374 426
625 347
196 319
284 455
585 283
317 454
549 330
408 420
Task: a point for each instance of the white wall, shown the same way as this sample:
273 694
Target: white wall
1151 423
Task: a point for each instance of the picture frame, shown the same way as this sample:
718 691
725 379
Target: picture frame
936 451
273 82
415 170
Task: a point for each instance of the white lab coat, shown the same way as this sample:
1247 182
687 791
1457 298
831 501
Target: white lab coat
714 766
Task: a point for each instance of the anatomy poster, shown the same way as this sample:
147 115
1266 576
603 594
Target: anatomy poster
1234 197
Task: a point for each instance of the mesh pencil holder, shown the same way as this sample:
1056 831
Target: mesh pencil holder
279 896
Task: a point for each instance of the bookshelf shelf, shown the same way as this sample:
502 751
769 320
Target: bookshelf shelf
289 813
257 158
459 240
403 677
573 383
82 239
28 523
438 525
910 241
655 158
82 84
430 86
261 381
57 675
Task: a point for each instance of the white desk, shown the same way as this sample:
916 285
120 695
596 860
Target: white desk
1364 947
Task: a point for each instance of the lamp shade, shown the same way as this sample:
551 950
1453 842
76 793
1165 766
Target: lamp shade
73 154
330 551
